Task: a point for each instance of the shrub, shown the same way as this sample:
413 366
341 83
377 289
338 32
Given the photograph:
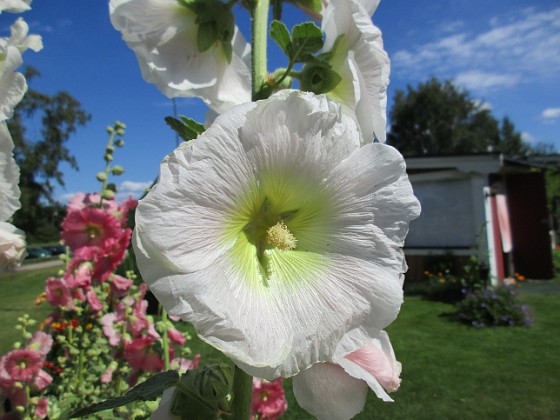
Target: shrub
493 307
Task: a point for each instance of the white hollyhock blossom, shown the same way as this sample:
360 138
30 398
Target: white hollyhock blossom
9 176
338 390
164 36
278 231
12 246
361 62
12 84
14 6
12 240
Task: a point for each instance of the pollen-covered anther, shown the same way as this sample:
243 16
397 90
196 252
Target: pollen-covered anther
280 237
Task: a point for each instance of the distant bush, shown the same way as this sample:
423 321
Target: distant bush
497 306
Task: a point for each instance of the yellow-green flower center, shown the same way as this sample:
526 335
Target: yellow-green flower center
280 237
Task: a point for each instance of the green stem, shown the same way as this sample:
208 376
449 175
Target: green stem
165 339
258 51
242 392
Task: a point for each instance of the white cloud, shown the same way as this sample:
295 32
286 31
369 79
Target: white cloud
481 80
550 113
134 187
483 105
522 47
528 138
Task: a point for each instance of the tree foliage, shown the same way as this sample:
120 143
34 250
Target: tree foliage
39 154
437 118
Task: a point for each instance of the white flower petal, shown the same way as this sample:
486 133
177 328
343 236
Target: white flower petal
12 85
163 34
9 176
367 64
12 246
327 392
374 363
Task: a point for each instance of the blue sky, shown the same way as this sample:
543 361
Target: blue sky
505 52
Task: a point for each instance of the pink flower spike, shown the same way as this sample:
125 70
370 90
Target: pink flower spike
23 364
89 227
182 364
80 276
108 322
107 376
268 401
58 293
124 208
41 343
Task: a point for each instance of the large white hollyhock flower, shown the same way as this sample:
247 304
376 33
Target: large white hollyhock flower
338 390
278 231
14 6
361 62
164 36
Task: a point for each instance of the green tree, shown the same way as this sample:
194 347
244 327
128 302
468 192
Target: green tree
39 156
437 118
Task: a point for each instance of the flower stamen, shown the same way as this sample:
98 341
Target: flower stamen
280 237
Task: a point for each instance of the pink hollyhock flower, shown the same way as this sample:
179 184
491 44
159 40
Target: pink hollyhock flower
79 275
338 390
176 336
93 301
41 408
42 380
268 401
140 354
83 200
41 343
120 285
58 293
23 365
105 260
89 227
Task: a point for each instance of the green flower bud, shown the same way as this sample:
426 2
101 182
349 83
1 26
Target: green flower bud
117 170
120 132
108 157
119 143
110 129
101 176
119 124
107 194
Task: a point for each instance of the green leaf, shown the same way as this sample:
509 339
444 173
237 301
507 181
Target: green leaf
280 34
207 36
318 77
314 5
148 390
307 38
186 128
204 392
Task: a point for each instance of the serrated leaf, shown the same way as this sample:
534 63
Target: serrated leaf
148 390
280 34
307 38
186 128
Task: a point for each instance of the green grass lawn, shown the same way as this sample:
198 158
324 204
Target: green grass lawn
450 370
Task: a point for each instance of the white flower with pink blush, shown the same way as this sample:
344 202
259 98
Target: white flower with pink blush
338 390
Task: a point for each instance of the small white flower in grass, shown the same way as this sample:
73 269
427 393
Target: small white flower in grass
164 36
362 63
277 231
